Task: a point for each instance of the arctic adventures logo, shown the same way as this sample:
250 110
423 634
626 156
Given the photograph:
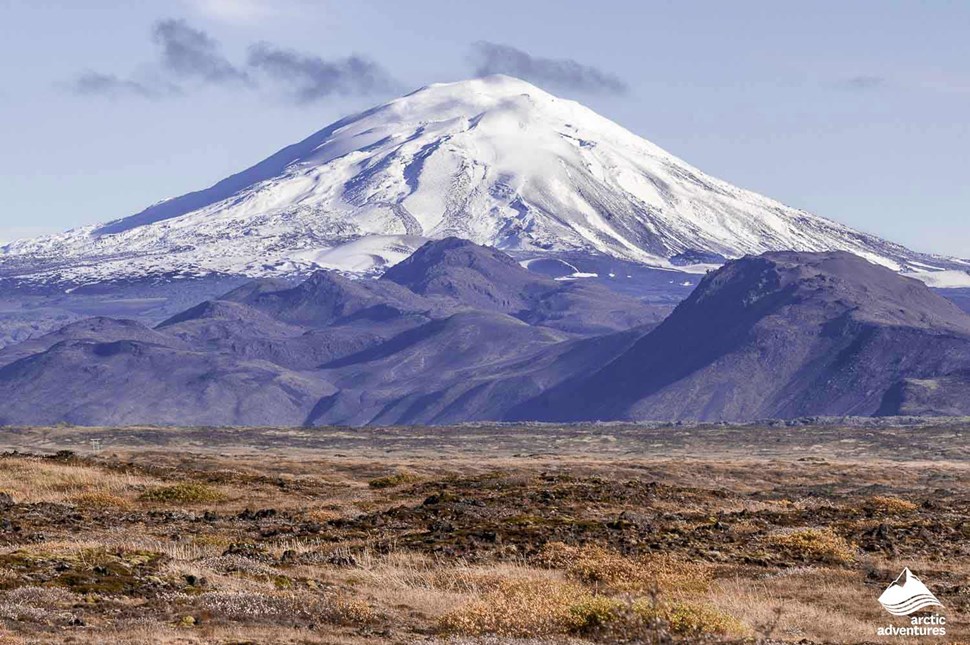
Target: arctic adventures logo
905 596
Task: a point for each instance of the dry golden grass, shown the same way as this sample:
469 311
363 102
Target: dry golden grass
101 500
601 568
891 505
171 568
31 480
599 595
322 514
396 479
806 603
691 619
521 609
162 633
183 493
274 606
534 608
814 544
427 585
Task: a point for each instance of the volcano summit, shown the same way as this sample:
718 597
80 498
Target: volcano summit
495 160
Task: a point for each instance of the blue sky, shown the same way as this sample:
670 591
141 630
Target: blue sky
854 110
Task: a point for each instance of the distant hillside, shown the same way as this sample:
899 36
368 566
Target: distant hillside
461 332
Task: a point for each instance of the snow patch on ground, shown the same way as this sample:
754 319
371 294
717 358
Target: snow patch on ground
578 276
950 279
365 255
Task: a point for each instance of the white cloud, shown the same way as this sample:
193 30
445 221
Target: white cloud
11 233
247 11
946 84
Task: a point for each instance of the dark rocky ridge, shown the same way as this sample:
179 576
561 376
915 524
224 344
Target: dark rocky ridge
779 336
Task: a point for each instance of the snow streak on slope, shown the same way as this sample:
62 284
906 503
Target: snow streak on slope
493 160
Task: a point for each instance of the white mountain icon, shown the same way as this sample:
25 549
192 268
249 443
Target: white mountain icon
906 595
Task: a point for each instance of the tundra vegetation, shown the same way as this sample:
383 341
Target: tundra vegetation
158 536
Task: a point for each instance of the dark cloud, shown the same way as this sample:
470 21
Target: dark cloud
193 53
862 83
312 78
492 58
188 54
96 83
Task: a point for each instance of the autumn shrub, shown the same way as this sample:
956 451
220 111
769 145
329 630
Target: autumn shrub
284 608
822 545
542 608
690 618
520 609
592 613
100 500
889 504
182 493
390 481
602 568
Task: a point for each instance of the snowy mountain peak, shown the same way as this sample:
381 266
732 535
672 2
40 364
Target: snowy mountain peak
494 160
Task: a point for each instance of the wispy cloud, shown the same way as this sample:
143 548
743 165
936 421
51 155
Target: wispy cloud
311 78
922 80
862 82
190 58
189 52
235 11
944 83
250 12
565 73
96 83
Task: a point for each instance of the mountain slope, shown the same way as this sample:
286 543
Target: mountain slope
494 160
271 352
404 379
463 333
99 328
469 275
779 336
129 382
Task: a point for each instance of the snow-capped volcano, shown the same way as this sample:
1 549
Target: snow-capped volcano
494 160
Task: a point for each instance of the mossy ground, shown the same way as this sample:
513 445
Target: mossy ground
194 546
